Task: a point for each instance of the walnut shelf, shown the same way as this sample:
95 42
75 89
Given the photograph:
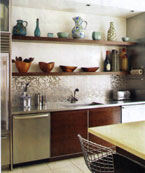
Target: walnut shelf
69 40
66 73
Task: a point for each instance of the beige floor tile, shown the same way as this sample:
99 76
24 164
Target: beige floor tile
15 170
75 165
80 163
38 168
60 164
78 160
86 171
71 169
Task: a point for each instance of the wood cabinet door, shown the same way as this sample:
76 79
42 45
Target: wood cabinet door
101 117
64 129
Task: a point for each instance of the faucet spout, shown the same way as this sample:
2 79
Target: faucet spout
73 98
76 90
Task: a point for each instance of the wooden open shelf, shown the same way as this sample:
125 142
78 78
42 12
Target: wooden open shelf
69 40
66 73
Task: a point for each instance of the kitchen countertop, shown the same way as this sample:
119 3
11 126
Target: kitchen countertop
127 136
54 107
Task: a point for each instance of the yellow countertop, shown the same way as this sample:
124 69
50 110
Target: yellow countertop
128 136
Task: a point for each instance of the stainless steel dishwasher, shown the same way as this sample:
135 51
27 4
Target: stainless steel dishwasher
31 137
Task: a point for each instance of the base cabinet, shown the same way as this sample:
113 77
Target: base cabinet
101 117
64 129
5 150
31 140
133 113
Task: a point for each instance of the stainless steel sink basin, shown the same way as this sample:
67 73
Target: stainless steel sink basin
83 104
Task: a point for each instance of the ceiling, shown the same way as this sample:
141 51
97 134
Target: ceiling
117 8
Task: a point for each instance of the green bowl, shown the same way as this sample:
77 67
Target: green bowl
125 39
50 35
62 34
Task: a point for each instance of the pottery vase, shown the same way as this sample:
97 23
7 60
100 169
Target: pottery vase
78 29
111 36
20 28
37 29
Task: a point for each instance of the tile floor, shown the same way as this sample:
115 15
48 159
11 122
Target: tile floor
75 165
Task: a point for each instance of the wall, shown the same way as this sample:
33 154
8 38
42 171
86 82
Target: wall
135 27
136 31
91 87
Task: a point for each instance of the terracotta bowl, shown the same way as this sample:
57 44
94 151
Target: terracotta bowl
46 67
90 69
22 67
67 68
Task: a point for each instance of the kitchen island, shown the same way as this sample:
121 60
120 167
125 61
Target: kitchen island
128 137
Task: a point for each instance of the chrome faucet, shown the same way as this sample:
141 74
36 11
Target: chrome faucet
73 98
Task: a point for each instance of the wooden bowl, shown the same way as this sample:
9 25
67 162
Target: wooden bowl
22 67
46 67
90 69
67 68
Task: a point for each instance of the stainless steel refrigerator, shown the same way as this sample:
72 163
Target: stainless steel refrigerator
5 80
5 108
4 69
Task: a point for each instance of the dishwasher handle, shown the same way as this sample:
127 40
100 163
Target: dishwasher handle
23 117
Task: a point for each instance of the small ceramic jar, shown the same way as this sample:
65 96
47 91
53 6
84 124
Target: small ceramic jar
49 34
96 35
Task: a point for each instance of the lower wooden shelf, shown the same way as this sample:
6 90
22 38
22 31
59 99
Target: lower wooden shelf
66 73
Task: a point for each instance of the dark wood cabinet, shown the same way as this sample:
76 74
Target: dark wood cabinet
65 126
101 117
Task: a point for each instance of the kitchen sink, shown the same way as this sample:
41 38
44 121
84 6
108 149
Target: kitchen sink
83 104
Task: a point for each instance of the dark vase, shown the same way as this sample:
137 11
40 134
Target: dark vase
20 28
37 29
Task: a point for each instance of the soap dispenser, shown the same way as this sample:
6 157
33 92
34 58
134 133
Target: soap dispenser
25 98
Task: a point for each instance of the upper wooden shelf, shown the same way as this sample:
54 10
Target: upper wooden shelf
66 73
69 40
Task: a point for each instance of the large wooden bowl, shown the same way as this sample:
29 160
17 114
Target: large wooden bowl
46 67
67 68
90 69
22 67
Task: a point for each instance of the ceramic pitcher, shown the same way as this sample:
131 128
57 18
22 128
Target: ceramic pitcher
20 28
78 30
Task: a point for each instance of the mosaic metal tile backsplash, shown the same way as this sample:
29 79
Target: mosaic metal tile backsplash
59 88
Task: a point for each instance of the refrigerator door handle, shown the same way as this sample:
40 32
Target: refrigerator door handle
30 116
